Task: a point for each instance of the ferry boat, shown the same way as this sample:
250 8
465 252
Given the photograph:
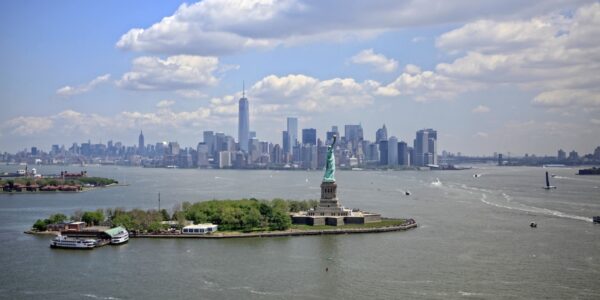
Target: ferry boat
121 237
62 241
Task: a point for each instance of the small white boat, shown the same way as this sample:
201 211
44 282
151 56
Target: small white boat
437 182
62 241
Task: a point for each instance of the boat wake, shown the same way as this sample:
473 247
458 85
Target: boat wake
437 182
533 209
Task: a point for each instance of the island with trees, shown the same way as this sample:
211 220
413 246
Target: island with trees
235 218
53 184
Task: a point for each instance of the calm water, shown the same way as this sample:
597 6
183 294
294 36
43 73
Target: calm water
474 239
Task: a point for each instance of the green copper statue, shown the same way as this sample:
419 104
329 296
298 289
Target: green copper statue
330 165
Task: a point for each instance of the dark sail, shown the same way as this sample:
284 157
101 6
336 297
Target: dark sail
547 180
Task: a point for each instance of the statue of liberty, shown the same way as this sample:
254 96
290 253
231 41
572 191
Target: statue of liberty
330 164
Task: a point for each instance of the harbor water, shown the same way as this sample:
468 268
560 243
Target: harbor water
473 239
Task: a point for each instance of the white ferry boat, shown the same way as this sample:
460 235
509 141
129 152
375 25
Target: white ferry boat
118 235
62 241
120 238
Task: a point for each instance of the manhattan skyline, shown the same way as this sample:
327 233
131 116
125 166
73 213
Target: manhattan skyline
498 77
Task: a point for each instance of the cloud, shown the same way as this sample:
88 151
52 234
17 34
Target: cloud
25 126
306 93
67 91
378 61
425 86
180 72
568 97
165 103
74 123
215 28
556 56
481 135
481 109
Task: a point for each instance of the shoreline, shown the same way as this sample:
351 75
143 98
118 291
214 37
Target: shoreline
289 232
84 189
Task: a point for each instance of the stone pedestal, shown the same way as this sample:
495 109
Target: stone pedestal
329 205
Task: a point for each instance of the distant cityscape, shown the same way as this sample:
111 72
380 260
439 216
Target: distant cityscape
219 150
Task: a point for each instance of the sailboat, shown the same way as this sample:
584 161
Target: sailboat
548 186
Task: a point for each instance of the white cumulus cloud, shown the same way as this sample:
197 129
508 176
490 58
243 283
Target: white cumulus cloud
165 103
68 90
215 27
557 56
180 72
378 61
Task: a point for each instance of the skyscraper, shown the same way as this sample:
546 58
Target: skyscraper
353 134
141 144
243 123
292 129
383 152
309 136
381 134
403 154
329 135
209 140
422 145
285 142
392 151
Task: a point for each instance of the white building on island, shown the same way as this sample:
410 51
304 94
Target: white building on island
199 229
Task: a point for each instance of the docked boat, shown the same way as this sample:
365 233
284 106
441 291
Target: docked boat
118 235
62 241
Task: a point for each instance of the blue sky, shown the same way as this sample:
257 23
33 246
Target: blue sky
490 76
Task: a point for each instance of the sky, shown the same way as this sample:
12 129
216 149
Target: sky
490 76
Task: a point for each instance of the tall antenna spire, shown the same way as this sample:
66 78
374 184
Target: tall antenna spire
243 89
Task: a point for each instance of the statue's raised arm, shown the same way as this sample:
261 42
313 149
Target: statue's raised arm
330 164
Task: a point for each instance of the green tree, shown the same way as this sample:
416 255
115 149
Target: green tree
165 214
251 219
265 210
57 218
124 220
280 204
93 217
280 221
39 225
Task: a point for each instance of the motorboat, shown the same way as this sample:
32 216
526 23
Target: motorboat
533 225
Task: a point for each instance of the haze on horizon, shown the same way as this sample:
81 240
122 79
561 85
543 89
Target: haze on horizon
490 76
